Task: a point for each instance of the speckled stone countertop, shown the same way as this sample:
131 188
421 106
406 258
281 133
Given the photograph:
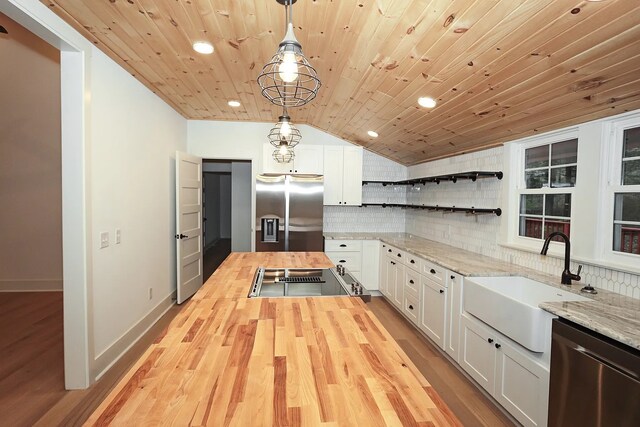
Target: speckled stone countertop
613 315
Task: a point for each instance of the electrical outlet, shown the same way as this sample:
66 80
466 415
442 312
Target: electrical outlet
118 236
104 239
150 293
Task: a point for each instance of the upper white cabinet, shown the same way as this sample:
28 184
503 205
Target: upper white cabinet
342 176
308 160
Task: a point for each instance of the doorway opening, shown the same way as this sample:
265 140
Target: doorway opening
226 211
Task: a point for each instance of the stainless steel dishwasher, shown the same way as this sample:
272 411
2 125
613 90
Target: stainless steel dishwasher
595 381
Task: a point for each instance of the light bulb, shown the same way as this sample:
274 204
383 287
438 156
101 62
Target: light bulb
427 102
288 68
285 129
284 150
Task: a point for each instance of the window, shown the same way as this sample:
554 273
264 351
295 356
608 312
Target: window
626 211
545 202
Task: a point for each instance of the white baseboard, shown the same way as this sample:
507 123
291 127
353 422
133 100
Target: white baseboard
30 285
105 360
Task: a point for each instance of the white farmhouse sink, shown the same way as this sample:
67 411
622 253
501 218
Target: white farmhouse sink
510 305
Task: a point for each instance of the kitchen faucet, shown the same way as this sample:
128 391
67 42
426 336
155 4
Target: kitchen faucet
567 275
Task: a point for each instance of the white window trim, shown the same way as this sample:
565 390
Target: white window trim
515 186
612 186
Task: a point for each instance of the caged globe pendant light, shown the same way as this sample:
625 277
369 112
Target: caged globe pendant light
288 79
284 136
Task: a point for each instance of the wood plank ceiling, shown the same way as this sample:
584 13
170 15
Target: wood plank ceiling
500 69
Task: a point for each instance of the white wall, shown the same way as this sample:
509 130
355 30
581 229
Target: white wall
134 139
30 162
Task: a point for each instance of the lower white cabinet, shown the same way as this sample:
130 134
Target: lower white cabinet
513 378
384 267
395 281
454 303
370 264
433 310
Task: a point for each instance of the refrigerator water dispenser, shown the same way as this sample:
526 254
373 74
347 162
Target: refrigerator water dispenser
270 228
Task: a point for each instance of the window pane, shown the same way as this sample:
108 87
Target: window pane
531 227
632 142
553 225
558 205
627 207
631 172
626 238
537 179
531 204
536 157
564 153
563 176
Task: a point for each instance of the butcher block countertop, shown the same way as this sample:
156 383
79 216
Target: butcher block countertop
229 360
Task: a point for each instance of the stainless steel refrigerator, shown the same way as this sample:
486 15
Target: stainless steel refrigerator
289 213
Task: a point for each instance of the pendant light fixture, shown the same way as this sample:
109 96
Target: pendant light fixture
284 136
288 79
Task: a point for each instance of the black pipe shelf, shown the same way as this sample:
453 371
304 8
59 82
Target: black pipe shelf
452 177
437 208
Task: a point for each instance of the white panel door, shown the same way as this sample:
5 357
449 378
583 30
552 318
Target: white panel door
477 353
352 176
333 164
432 315
188 225
371 264
454 312
309 159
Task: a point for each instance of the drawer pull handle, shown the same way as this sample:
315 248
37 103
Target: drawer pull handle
433 271
453 277
412 262
498 345
411 281
393 263
343 245
490 340
399 256
441 291
343 260
389 250
410 307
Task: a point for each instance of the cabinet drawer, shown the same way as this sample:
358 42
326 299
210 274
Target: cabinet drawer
412 261
395 253
352 261
412 283
434 272
411 308
342 245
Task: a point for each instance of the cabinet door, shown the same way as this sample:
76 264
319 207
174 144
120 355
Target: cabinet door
398 293
454 299
309 159
392 270
522 385
370 264
432 315
477 352
352 176
384 265
333 165
269 164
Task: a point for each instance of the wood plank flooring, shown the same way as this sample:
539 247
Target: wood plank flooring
227 360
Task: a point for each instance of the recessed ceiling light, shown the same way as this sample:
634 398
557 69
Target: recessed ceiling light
372 134
203 47
426 102
234 104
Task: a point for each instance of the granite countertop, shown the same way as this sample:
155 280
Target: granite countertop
613 315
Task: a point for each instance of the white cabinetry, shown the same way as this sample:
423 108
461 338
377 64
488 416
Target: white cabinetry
384 264
370 264
345 252
433 310
503 368
308 160
454 302
342 176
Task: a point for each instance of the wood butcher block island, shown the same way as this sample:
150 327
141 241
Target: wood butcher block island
229 360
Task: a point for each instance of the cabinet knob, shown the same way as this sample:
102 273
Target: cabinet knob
441 291
453 277
432 271
410 307
411 281
392 262
389 250
490 340
412 262
498 345
399 256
